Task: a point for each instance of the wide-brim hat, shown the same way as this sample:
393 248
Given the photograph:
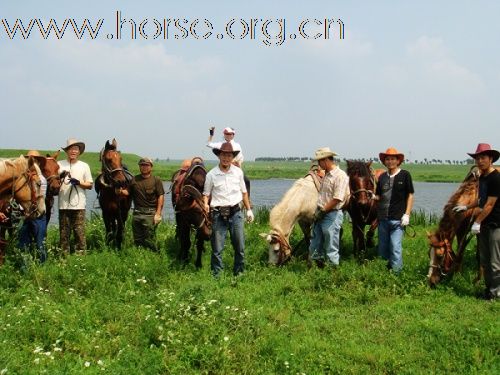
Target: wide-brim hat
146 160
35 155
225 147
323 153
391 151
229 130
74 142
485 148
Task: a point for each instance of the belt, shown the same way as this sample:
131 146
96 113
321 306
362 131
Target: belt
144 211
217 208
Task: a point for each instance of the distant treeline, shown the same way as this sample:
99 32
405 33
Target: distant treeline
375 160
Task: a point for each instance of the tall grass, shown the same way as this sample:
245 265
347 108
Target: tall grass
136 311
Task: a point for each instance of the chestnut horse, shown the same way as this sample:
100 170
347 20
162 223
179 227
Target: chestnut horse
187 200
443 260
114 205
20 185
50 170
362 206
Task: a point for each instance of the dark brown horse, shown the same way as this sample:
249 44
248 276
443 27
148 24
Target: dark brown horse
362 206
187 200
109 185
443 260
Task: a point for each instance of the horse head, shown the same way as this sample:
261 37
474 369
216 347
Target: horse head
441 257
361 182
27 187
113 173
50 171
279 248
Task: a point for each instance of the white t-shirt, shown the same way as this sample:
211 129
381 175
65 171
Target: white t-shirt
73 197
226 189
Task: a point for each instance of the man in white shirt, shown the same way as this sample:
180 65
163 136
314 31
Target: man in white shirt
72 196
225 190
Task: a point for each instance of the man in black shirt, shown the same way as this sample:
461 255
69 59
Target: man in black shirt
487 223
395 195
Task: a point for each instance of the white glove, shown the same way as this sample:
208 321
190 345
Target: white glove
476 228
157 219
250 216
405 220
459 208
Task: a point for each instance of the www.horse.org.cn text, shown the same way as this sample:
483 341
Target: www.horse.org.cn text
271 32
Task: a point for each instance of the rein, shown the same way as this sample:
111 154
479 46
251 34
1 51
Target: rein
285 249
30 182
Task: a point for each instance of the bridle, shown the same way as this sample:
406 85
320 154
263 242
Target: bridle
53 177
370 195
109 174
284 250
196 203
28 177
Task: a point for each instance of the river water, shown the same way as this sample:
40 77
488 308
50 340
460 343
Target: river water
430 197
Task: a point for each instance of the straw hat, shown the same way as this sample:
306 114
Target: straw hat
225 147
391 151
229 130
323 153
485 148
74 142
36 155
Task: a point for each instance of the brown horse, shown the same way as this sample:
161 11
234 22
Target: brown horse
187 200
443 260
20 186
362 206
20 180
114 205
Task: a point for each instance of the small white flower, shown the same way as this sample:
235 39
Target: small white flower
226 338
3 372
37 361
87 364
100 362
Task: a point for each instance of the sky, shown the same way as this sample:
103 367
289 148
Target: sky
422 77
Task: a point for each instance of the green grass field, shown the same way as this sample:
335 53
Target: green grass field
138 312
265 170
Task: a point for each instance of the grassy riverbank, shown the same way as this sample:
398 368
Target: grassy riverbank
265 170
140 312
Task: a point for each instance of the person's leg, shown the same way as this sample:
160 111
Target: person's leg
396 235
316 245
384 244
217 240
39 232
79 231
494 247
236 230
331 225
64 231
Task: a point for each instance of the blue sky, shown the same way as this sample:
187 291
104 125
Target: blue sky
419 76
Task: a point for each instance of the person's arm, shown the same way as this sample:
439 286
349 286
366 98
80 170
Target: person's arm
159 204
206 199
409 204
488 207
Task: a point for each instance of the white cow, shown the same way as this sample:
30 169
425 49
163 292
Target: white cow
297 205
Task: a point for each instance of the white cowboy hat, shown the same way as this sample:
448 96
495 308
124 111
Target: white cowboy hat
323 153
74 142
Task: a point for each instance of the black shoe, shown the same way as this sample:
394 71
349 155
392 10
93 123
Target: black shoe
486 295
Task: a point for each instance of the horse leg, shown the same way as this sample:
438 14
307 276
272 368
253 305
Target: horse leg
371 233
358 237
200 247
184 236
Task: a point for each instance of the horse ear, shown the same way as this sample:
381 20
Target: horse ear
266 236
55 155
369 164
113 143
107 146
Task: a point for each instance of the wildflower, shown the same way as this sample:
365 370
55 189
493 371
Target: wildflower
100 362
3 372
36 361
37 350
87 364
226 338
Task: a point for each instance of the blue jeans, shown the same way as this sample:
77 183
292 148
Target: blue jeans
219 231
390 236
34 231
325 241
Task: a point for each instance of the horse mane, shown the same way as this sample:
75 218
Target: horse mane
447 223
21 161
359 168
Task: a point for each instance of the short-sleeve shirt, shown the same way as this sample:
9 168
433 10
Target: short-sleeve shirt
489 186
146 191
73 197
393 192
335 185
225 188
